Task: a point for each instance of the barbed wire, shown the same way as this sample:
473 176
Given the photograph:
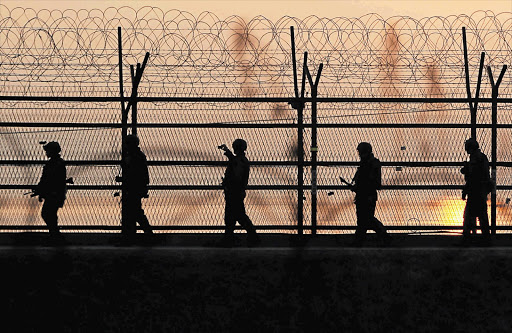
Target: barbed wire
69 52
74 53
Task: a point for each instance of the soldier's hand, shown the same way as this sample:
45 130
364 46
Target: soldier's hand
464 169
34 192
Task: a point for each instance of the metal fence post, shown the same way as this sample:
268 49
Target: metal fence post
124 126
314 145
495 87
136 77
298 104
473 107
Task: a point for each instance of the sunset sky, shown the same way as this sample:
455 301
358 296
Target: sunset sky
277 8
438 206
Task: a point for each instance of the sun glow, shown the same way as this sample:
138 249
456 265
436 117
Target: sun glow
452 210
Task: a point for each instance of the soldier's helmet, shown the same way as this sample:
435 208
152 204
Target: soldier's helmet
471 144
364 147
132 140
52 147
240 145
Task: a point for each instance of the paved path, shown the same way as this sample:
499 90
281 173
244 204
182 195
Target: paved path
183 285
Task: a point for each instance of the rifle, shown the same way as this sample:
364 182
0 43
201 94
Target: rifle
347 183
34 192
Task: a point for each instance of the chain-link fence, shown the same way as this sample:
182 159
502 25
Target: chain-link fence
209 81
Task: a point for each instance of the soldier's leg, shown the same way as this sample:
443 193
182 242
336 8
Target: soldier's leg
128 227
469 223
252 237
483 218
49 215
141 217
380 230
144 222
247 224
378 226
242 217
230 217
374 223
363 217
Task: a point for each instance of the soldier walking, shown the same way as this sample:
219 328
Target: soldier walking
235 182
478 185
52 189
367 181
136 180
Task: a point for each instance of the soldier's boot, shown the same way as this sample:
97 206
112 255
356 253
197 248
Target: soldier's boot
384 239
486 238
466 240
55 238
228 240
253 239
144 223
359 237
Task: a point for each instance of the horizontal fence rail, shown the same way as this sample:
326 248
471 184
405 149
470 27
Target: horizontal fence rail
186 84
256 99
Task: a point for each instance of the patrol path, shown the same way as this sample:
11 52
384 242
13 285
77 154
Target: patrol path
184 285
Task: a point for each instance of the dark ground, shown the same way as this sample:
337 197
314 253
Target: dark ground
182 284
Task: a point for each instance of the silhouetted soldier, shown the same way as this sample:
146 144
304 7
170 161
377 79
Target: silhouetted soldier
136 179
367 181
478 185
52 189
235 182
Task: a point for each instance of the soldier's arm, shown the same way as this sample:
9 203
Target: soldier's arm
240 170
378 175
142 173
355 180
229 154
486 167
375 175
42 181
479 168
62 173
245 173
146 176
144 170
470 172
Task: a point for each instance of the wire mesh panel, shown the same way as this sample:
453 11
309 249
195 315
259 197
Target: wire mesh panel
203 210
426 208
75 55
84 210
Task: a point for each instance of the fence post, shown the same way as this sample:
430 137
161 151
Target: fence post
136 77
314 145
495 86
124 127
133 99
299 106
472 106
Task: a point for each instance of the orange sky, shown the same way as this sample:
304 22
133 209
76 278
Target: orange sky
274 9
441 209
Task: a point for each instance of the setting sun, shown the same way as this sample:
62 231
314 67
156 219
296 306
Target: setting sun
452 211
